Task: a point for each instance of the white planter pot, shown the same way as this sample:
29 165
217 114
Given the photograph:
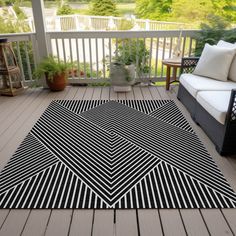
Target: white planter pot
122 76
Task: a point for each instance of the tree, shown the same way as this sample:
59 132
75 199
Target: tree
103 8
65 10
153 9
187 11
212 31
225 9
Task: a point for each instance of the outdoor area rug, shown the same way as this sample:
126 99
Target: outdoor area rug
113 154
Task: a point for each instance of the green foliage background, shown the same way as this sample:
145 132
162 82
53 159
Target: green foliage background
186 10
103 8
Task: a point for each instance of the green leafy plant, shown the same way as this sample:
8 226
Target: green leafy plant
51 66
132 51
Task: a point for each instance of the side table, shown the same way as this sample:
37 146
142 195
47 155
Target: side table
171 63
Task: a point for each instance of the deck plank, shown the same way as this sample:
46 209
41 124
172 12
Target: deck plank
149 223
126 223
15 222
146 93
171 222
103 223
36 223
216 223
130 95
59 223
105 95
3 215
97 93
81 223
113 94
230 216
80 93
193 222
13 116
88 93
155 93
121 96
13 103
163 93
138 93
72 91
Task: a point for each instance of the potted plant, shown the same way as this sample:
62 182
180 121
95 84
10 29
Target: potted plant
131 58
55 71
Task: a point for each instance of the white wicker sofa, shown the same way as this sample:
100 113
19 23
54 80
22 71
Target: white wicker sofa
211 101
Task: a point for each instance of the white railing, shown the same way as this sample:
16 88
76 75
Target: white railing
86 22
91 52
26 51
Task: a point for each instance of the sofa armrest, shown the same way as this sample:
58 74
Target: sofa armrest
188 64
231 114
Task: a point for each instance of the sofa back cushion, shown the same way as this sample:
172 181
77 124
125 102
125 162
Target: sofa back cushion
232 70
215 62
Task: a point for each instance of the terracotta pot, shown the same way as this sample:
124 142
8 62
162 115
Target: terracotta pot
58 82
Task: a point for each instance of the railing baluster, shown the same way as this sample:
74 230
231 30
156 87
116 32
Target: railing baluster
157 56
110 52
27 61
90 59
97 63
64 51
57 49
150 59
77 56
163 54
20 60
104 58
170 47
84 58
183 50
137 58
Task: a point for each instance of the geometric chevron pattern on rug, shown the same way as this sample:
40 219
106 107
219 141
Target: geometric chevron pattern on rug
113 154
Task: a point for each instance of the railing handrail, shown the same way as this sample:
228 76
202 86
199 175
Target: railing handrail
17 36
122 33
90 22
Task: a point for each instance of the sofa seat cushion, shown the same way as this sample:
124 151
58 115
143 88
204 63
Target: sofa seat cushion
195 83
215 103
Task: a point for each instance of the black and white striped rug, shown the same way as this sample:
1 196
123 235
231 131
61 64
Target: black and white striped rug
113 154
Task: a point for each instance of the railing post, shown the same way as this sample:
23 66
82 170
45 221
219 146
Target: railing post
76 22
111 23
147 24
58 23
40 29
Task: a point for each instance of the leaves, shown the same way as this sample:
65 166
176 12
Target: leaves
51 66
103 8
212 32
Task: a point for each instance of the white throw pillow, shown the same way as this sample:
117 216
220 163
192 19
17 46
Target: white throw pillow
232 70
215 62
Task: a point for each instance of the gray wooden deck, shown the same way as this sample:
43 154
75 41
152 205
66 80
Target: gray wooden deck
18 115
